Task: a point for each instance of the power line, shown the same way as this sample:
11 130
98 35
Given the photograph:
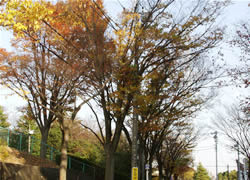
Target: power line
204 149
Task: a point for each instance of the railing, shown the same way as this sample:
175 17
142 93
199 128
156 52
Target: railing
30 144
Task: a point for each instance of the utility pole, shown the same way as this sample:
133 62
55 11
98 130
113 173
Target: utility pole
134 165
228 177
216 152
238 164
29 139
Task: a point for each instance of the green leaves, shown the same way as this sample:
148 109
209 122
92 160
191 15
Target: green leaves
201 173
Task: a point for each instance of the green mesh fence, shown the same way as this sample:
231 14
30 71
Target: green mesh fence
27 143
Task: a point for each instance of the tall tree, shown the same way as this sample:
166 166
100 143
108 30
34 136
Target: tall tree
55 36
145 46
139 46
160 107
38 73
238 115
174 154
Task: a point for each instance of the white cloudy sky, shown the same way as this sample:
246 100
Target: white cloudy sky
237 12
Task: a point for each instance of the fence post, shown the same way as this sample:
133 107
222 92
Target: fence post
8 138
31 146
83 167
69 162
20 142
94 172
51 153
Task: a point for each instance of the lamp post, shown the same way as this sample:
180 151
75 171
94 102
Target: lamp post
29 134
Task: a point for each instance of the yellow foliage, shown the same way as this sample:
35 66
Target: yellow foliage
22 15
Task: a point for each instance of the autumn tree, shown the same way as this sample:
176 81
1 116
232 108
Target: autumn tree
48 84
31 76
160 107
54 36
40 72
122 63
174 154
146 49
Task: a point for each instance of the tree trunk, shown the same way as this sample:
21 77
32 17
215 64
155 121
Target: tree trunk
160 169
150 168
64 146
175 177
160 164
141 163
43 143
109 168
168 174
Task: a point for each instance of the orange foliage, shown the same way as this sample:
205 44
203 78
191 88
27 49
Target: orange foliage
3 56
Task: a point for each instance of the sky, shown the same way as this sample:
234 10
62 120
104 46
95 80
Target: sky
236 13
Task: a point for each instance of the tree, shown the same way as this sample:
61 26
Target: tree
83 144
235 126
122 63
188 175
45 31
240 73
37 74
174 154
26 124
3 119
144 49
162 108
232 175
201 173
238 116
55 136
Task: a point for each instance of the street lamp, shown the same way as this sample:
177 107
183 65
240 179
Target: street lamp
31 132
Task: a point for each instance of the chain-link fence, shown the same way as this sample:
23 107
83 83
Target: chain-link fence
30 144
